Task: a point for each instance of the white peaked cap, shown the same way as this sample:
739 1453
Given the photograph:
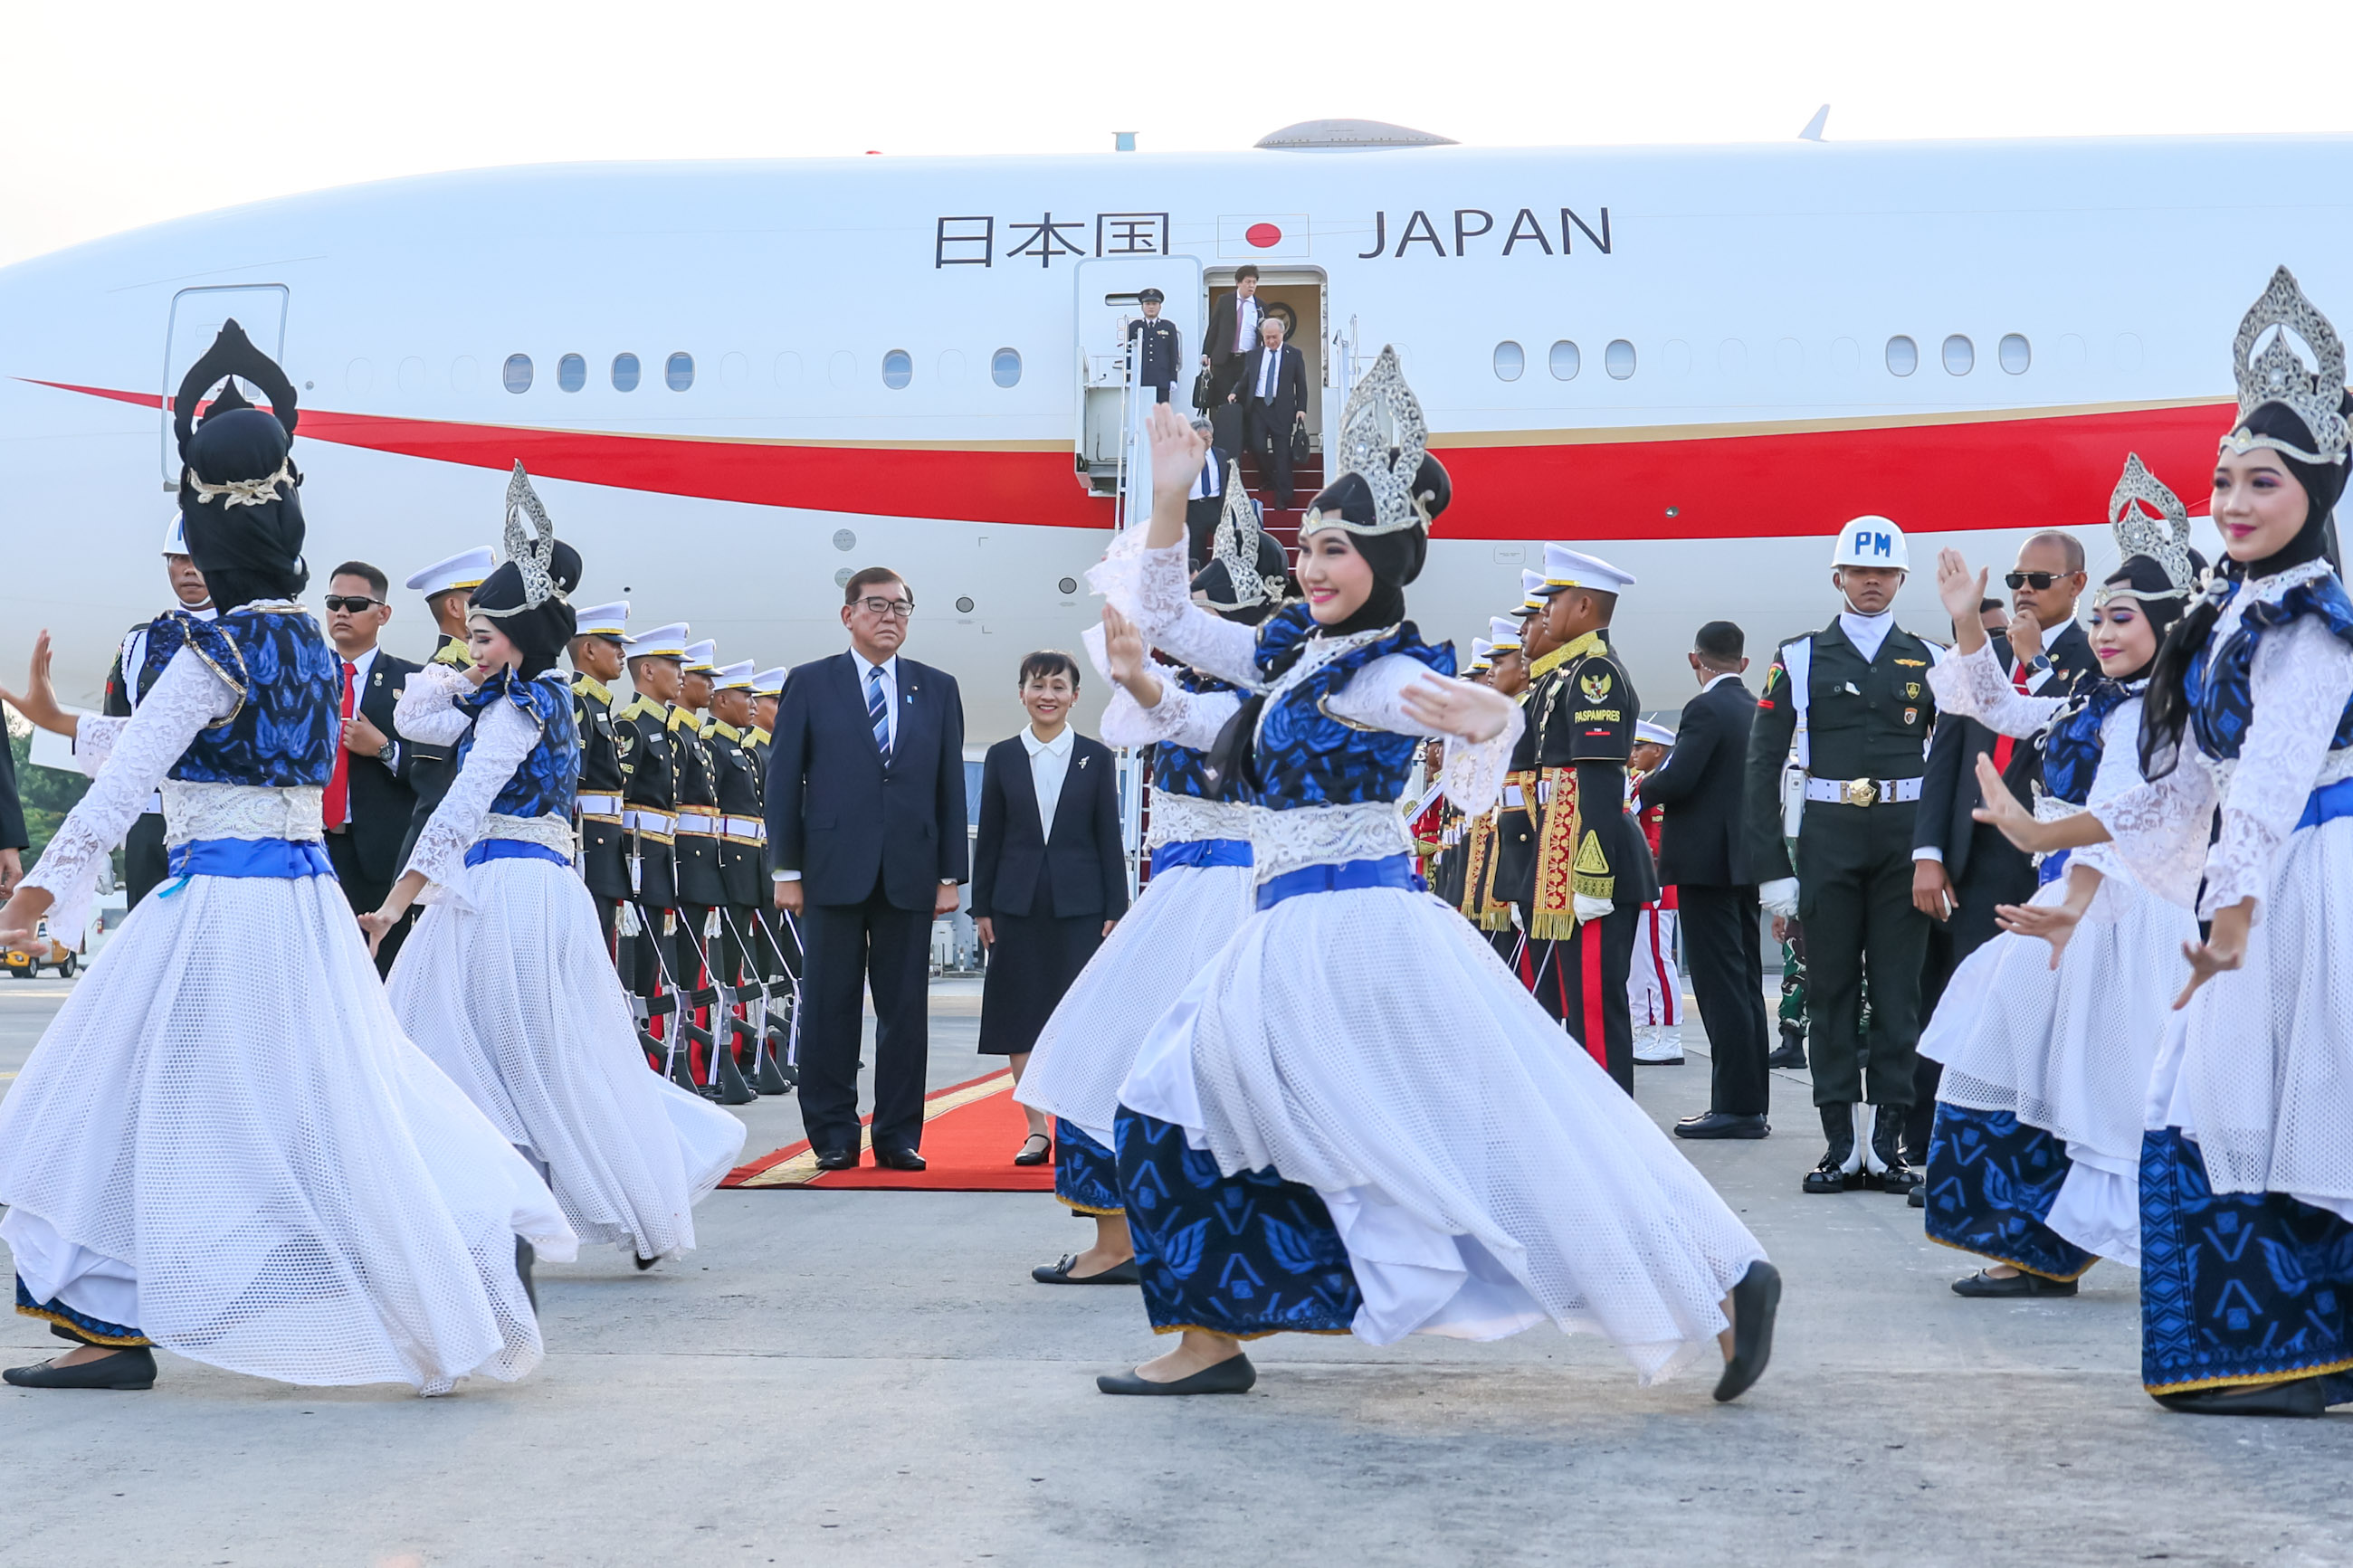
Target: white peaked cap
1504 635
701 655
769 682
733 676
1657 735
605 620
1482 653
175 535
1534 590
1566 568
1870 540
467 569
661 642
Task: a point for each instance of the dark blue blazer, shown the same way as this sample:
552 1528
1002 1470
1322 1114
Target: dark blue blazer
1084 862
840 818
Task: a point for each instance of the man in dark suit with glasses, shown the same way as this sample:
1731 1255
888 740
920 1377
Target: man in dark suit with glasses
370 803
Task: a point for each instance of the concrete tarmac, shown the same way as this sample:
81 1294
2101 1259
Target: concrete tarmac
853 1378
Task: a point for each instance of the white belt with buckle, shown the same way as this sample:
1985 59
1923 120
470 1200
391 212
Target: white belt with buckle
696 821
751 828
645 821
1863 792
600 806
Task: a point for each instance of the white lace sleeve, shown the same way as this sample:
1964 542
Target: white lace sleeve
1186 717
2157 830
428 712
1375 696
185 698
2117 775
502 741
2302 677
94 741
1973 685
1170 621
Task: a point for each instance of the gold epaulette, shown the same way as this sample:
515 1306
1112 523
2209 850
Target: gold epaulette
585 685
1555 915
714 728
757 738
455 654
679 718
640 707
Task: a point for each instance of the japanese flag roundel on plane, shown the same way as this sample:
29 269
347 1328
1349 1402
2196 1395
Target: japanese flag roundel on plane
1255 236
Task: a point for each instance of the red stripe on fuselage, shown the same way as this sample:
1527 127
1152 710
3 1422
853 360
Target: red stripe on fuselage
2047 470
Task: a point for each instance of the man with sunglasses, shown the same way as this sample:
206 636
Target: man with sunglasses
867 842
370 800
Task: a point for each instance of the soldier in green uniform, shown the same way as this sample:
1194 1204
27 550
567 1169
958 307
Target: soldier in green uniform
598 653
700 889
446 585
743 867
649 828
1854 695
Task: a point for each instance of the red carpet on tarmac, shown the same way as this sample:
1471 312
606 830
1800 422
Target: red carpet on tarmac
970 1135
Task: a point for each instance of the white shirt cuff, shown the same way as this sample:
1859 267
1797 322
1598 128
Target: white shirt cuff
1929 852
787 876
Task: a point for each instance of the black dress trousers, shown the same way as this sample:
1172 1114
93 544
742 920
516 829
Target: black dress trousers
850 947
1723 945
1855 871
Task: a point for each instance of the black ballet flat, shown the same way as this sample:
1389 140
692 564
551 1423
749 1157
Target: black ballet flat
1059 1273
2302 1398
1233 1375
1038 1156
2019 1284
644 1263
525 1260
127 1369
1755 1301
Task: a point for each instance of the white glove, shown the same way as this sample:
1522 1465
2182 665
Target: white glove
1589 908
1779 896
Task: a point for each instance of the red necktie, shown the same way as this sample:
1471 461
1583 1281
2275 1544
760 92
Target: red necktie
338 807
2003 745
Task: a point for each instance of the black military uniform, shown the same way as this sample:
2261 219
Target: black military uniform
1866 722
641 735
1162 347
604 858
1512 867
430 767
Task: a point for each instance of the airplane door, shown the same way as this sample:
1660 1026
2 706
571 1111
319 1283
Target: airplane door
197 318
1107 289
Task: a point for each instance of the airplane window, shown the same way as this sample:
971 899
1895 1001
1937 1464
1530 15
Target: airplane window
1566 360
518 373
1902 355
1005 368
679 371
1509 361
963 605
572 372
1618 359
897 369
1068 586
1960 355
625 373
2016 354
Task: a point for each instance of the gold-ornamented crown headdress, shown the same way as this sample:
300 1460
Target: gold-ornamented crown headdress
2278 375
2163 538
1235 546
1382 441
531 549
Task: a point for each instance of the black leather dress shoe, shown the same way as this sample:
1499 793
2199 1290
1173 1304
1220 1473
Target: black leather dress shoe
1233 1375
2301 1397
2019 1284
126 1370
1036 1149
1059 1273
1723 1125
836 1160
900 1159
1756 1302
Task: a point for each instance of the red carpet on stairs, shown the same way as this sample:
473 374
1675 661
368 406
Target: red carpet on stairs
971 1134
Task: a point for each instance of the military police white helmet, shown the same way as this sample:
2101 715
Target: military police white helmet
1871 542
175 535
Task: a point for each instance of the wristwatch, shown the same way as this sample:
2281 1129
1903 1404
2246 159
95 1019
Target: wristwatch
384 754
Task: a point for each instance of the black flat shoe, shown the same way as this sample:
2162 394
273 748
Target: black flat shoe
1721 1124
1029 1156
838 1159
126 1370
898 1159
1233 1375
2019 1284
525 1260
644 1263
1919 1197
1059 1274
2302 1398
1755 1301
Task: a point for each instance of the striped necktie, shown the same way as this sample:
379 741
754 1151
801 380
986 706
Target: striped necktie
878 712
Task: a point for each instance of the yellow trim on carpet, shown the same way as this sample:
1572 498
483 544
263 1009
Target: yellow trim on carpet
801 1169
136 1342
2014 1263
2260 1380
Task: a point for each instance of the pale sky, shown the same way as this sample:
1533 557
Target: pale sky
115 113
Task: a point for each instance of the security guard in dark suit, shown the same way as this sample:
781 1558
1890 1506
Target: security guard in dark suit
650 828
1160 345
1854 697
598 653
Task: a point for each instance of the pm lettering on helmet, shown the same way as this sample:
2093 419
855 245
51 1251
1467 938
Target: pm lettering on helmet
1868 542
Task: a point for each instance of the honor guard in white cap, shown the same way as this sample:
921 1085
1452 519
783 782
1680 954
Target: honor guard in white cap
702 890
598 656
1654 995
779 953
650 828
742 836
1482 656
143 855
447 584
1854 699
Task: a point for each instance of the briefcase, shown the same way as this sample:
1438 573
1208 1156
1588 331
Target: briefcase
1205 390
1299 443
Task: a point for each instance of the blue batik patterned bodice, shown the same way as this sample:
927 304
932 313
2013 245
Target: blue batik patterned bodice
289 683
1180 770
2071 745
2220 685
1307 757
545 783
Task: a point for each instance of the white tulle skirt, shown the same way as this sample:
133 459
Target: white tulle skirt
508 986
2070 1050
1183 919
1483 1172
225 1127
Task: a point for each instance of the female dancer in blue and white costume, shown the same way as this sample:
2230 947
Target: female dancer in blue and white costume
2049 1031
2246 1175
1200 891
223 1144
1355 1119
506 982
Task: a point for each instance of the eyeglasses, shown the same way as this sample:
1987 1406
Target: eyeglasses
902 608
350 604
2038 581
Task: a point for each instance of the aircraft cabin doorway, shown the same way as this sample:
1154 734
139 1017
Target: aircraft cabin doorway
1301 297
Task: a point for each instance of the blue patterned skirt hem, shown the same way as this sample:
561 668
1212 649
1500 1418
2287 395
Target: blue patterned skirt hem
2238 1289
1086 1174
81 1325
1991 1180
1243 1255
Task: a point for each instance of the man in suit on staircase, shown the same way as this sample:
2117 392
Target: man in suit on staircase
1274 403
1233 335
868 844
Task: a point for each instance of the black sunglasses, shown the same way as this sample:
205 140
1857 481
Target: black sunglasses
350 604
2038 581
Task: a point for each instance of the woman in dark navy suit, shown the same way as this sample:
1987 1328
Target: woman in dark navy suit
1049 875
